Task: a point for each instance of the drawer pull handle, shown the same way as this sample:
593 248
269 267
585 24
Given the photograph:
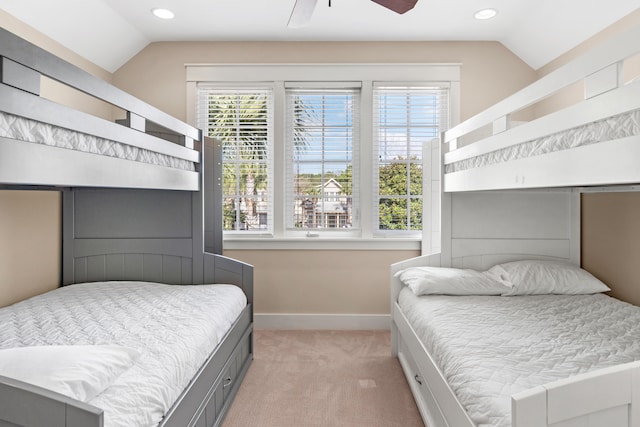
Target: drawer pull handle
418 380
227 382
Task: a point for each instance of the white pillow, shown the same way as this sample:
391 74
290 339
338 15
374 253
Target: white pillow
77 371
535 277
450 281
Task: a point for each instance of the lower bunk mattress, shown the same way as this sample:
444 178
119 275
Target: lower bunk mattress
491 347
144 341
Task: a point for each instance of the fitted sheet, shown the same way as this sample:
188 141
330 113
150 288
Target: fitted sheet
611 128
489 347
23 129
175 328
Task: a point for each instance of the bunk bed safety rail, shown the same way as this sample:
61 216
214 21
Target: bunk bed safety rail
601 70
22 65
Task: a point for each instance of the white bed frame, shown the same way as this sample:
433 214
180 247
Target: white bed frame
603 163
530 209
608 397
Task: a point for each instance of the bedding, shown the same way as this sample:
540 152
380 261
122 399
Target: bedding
80 372
489 347
534 277
173 328
451 281
23 129
612 128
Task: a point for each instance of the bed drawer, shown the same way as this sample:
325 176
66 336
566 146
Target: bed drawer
414 376
228 383
420 388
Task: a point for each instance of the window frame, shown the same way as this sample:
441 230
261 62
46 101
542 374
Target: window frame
364 74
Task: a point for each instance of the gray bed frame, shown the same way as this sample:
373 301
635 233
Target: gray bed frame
123 220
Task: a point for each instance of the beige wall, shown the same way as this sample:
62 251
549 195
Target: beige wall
30 240
314 281
322 282
29 243
611 241
489 71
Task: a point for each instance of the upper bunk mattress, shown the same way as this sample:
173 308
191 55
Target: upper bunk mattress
23 129
174 328
489 348
612 128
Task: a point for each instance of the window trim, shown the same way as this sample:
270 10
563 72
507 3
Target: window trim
367 74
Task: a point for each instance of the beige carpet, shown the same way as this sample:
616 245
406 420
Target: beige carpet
323 378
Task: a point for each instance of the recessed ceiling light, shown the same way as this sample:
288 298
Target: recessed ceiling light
163 13
485 14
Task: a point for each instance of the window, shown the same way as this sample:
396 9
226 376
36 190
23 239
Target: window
241 118
405 119
322 137
329 151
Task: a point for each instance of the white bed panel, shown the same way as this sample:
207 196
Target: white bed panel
606 397
486 358
549 129
175 328
621 46
596 164
511 214
610 128
557 150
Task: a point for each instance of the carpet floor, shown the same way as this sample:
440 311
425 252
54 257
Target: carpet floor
323 379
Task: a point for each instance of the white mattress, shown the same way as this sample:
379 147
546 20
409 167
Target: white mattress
175 328
23 129
489 348
612 128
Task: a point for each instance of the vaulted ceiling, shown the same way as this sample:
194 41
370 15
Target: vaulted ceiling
110 32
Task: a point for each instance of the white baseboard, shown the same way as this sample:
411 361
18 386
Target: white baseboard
322 321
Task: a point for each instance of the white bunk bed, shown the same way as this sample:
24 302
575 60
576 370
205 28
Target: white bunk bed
514 195
594 142
139 204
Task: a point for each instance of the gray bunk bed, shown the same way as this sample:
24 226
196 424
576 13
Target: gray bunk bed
138 210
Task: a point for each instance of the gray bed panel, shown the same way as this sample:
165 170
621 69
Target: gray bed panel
49 166
23 104
48 64
173 247
148 235
132 214
143 267
212 187
26 405
221 269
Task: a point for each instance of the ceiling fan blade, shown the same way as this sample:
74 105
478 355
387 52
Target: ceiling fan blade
301 13
398 6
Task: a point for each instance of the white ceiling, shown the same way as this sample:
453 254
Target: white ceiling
110 32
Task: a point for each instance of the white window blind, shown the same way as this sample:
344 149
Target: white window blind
405 117
322 157
242 118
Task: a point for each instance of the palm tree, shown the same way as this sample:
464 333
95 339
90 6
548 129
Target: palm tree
240 121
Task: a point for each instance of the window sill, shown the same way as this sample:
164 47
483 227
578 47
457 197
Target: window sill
319 243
